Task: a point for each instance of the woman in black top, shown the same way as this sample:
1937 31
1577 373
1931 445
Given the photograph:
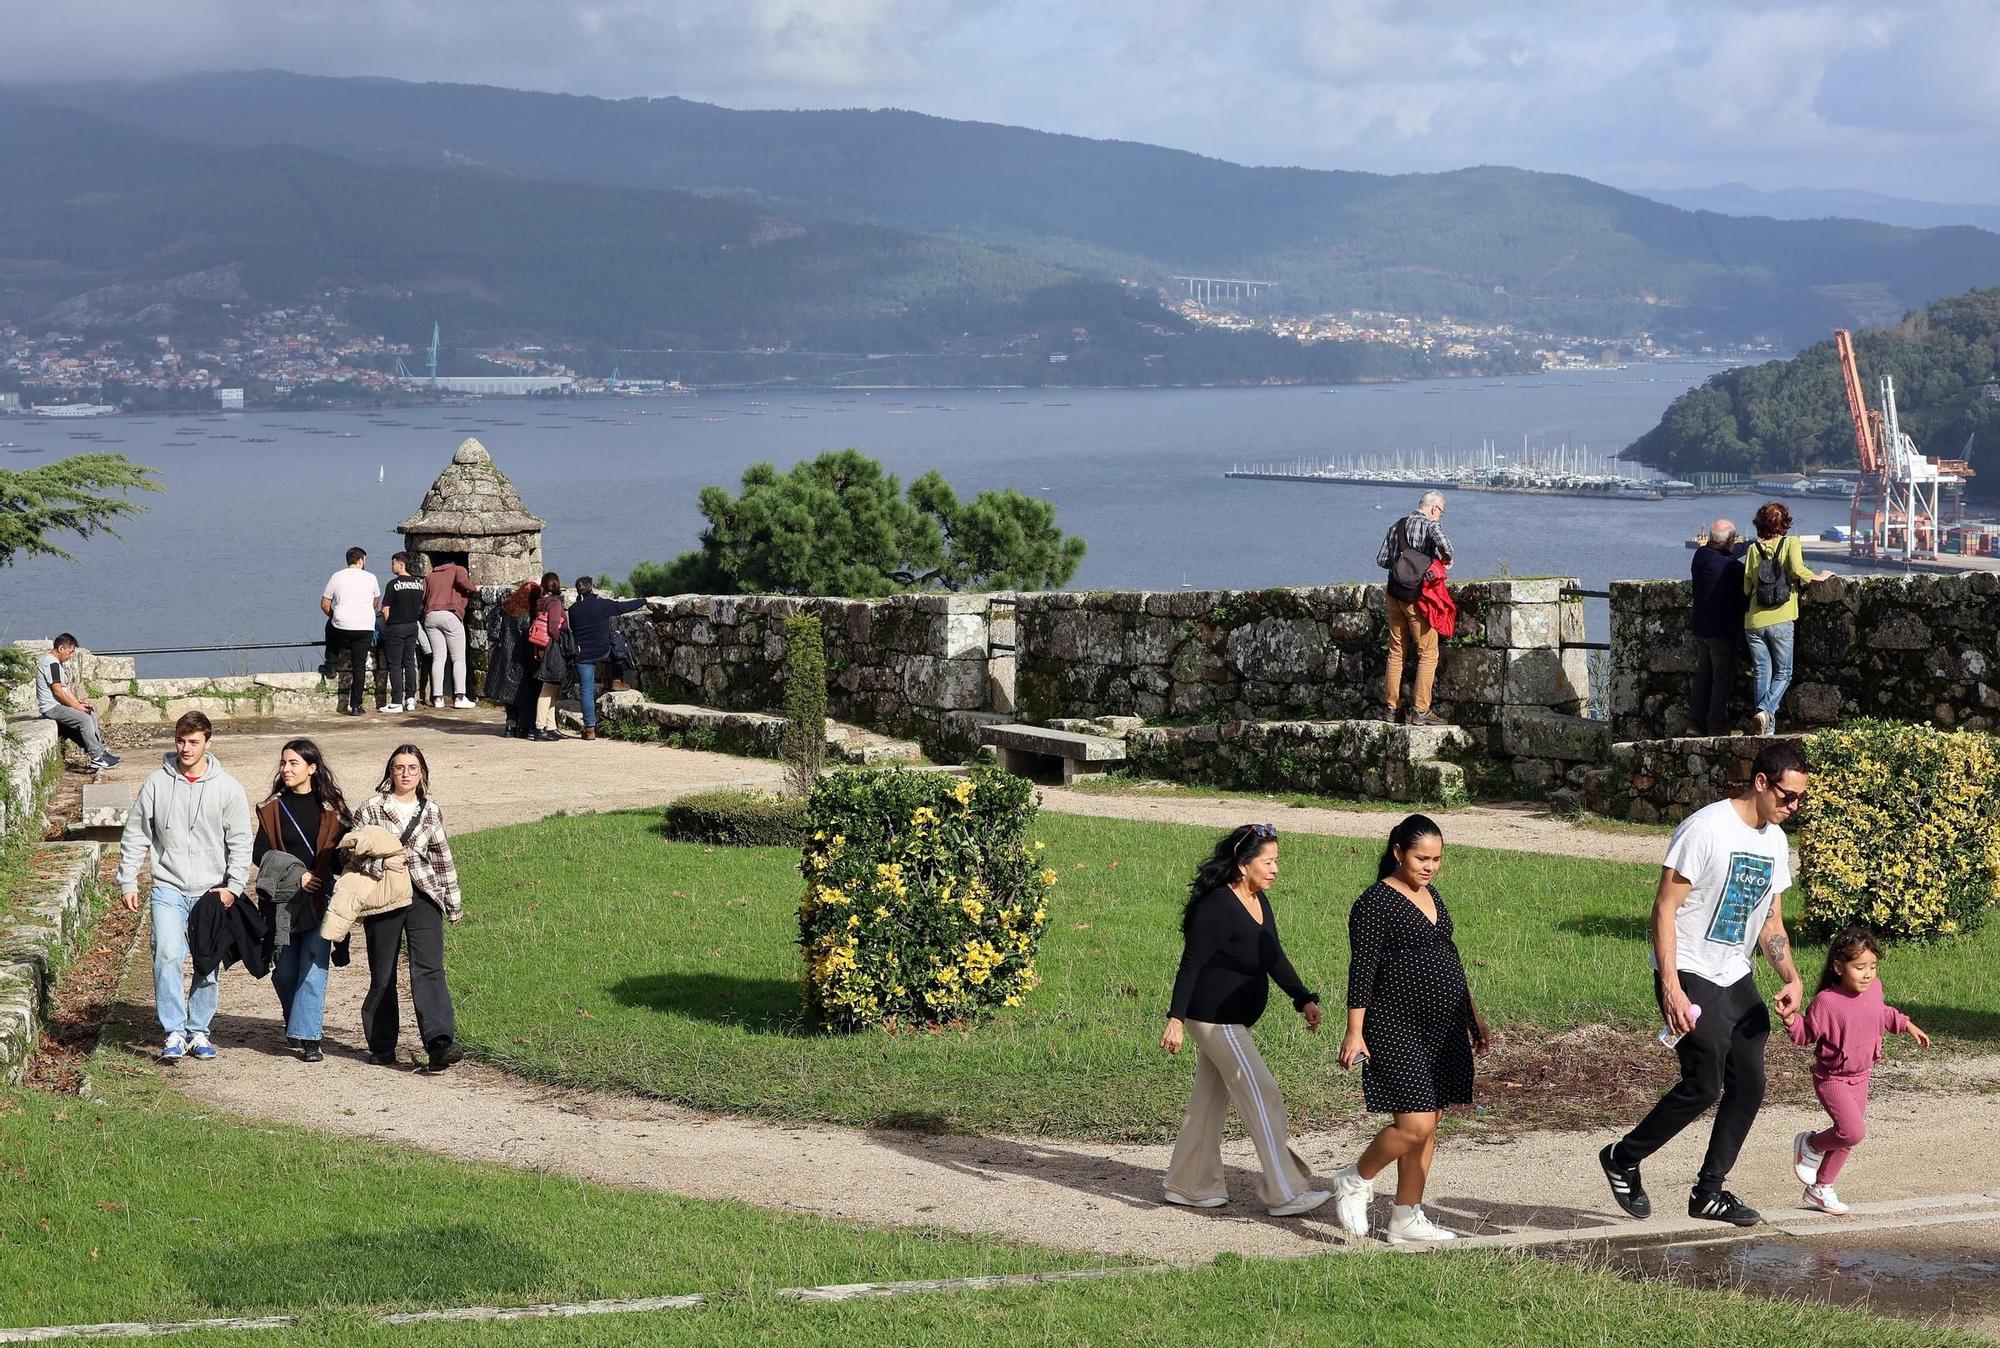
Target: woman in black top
1232 952
306 816
1411 1025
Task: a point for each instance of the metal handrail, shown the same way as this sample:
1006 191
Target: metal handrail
1573 592
208 650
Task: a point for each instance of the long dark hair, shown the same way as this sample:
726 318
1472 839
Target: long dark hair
1852 943
388 785
1224 863
325 789
1402 838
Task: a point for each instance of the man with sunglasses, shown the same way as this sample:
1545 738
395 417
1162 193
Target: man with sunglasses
1719 890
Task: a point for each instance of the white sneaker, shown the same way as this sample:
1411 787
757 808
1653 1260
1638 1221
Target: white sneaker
1805 1161
461 703
1760 724
1304 1203
1351 1195
199 1047
1822 1198
438 702
176 1047
1409 1226
1187 1202
392 706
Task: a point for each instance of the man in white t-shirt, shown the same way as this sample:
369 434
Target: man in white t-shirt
350 601
1718 898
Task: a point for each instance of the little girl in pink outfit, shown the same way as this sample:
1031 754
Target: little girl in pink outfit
1846 1023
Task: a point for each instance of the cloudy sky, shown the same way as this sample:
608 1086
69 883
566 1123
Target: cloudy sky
1895 96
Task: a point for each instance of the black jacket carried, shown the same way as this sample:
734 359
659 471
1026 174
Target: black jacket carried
559 659
219 937
507 653
1719 600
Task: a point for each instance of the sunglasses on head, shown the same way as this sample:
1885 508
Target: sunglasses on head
1259 833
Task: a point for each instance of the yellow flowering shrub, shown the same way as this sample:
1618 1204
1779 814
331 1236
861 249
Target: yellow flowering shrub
1901 831
924 900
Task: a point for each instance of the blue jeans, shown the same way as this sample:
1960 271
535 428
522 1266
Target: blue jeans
300 979
586 682
179 1011
1771 655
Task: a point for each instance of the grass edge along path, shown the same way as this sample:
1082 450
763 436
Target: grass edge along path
1383 1300
138 1204
597 955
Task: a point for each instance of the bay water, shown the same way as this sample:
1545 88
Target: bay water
259 507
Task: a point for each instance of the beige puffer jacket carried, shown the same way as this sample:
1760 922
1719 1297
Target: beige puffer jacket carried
355 895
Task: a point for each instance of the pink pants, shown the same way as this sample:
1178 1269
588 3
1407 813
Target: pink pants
1846 1101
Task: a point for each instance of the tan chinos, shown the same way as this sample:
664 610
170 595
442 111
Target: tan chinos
1407 627
1231 1070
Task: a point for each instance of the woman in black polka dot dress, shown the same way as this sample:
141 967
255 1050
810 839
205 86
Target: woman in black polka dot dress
1411 1025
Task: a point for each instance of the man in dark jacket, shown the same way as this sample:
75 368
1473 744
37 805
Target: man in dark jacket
590 618
1716 619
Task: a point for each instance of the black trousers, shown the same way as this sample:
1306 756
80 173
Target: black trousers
1722 1064
1715 663
422 925
399 652
355 646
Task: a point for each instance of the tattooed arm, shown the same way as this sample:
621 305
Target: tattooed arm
1777 948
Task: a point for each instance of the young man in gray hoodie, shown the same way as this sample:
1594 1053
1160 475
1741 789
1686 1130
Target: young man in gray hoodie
195 820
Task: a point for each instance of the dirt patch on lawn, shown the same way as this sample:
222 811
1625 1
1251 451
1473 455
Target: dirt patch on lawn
85 994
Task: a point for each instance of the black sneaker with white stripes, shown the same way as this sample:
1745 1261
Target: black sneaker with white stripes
1626 1190
1722 1206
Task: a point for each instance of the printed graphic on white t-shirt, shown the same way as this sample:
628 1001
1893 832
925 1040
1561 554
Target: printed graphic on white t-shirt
1743 893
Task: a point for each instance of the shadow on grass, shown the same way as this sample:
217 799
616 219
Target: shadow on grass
441 1264
1616 926
767 1005
1978 1024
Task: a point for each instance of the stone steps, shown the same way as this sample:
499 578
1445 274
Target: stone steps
46 926
865 748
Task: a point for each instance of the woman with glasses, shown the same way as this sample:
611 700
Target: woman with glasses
402 804
1232 953
1411 1025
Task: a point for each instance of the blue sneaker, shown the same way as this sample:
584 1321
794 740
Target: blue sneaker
176 1048
199 1047
105 762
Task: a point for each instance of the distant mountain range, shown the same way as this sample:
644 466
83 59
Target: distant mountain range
638 220
1811 203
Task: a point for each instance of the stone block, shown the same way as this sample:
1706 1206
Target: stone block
1524 626
105 670
1901 630
1537 732
302 681
1814 703
1001 684
1472 675
1544 678
1276 649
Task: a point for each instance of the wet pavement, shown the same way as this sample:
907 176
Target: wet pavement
1945 1272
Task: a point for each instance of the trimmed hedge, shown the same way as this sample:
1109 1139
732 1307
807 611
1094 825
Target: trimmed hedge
736 817
925 901
1901 832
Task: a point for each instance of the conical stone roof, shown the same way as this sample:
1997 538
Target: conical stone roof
471 498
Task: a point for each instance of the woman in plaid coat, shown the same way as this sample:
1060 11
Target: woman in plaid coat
402 804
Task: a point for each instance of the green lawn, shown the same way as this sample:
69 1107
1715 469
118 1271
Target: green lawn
1379 1300
137 1205
1115 783
597 954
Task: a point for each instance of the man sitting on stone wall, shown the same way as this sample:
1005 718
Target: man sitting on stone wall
75 719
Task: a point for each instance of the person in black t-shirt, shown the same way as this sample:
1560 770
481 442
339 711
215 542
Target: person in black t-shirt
402 620
1232 954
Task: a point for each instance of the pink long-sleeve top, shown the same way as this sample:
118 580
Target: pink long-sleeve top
1846 1030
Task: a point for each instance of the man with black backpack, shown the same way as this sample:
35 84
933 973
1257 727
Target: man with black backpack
1407 551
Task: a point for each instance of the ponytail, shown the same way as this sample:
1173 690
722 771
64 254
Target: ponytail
1402 838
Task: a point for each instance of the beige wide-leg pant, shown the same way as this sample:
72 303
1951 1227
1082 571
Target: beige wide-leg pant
1231 1069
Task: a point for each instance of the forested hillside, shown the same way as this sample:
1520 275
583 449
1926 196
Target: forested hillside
1491 244
1791 415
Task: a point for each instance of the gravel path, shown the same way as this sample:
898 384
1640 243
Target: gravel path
1096 1197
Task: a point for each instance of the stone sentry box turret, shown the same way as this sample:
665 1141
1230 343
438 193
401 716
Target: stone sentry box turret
473 516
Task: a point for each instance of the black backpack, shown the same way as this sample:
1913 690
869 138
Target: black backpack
1407 571
1774 583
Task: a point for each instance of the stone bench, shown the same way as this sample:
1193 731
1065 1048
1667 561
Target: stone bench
105 806
1033 751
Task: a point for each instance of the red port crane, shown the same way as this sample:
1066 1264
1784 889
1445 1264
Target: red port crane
1896 496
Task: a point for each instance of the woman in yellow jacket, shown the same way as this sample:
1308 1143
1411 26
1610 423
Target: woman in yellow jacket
1769 625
